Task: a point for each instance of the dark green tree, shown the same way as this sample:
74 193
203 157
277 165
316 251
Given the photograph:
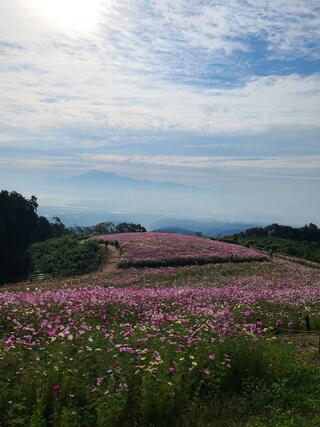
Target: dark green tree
43 230
18 222
58 228
104 228
125 227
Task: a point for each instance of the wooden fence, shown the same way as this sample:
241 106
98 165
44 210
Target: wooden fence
29 278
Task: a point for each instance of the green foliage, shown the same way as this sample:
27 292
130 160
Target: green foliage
125 227
20 226
107 227
180 262
301 242
304 249
309 233
258 389
18 222
65 256
58 228
43 230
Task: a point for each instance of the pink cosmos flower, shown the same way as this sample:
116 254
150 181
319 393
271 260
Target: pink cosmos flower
126 349
56 388
212 357
99 380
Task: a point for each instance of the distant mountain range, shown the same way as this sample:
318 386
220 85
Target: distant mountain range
99 196
153 222
96 178
207 228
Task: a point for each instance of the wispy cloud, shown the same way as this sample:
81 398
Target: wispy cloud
103 161
260 105
210 162
139 68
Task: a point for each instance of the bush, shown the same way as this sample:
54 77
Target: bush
64 256
181 262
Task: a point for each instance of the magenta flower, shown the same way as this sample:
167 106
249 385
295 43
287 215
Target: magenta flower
125 349
99 380
171 370
56 388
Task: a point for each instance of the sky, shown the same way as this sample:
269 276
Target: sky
223 95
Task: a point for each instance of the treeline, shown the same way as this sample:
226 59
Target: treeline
303 242
107 228
20 227
308 233
30 243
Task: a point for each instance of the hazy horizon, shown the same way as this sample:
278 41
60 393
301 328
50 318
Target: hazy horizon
219 96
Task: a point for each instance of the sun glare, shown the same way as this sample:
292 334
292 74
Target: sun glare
79 15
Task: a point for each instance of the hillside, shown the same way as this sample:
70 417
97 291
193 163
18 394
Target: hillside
152 346
166 249
301 242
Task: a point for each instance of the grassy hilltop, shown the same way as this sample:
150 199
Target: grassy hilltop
198 345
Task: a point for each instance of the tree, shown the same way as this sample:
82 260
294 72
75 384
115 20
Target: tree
43 230
18 222
125 227
104 228
58 228
311 233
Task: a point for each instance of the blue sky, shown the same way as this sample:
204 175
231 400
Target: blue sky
208 93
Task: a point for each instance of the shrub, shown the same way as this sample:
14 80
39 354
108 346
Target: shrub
65 256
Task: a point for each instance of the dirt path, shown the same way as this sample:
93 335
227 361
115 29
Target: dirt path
112 260
301 261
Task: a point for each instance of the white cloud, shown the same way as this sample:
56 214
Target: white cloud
104 161
210 162
116 74
74 92
287 25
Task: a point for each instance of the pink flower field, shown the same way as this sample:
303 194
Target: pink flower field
156 249
136 343
278 291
